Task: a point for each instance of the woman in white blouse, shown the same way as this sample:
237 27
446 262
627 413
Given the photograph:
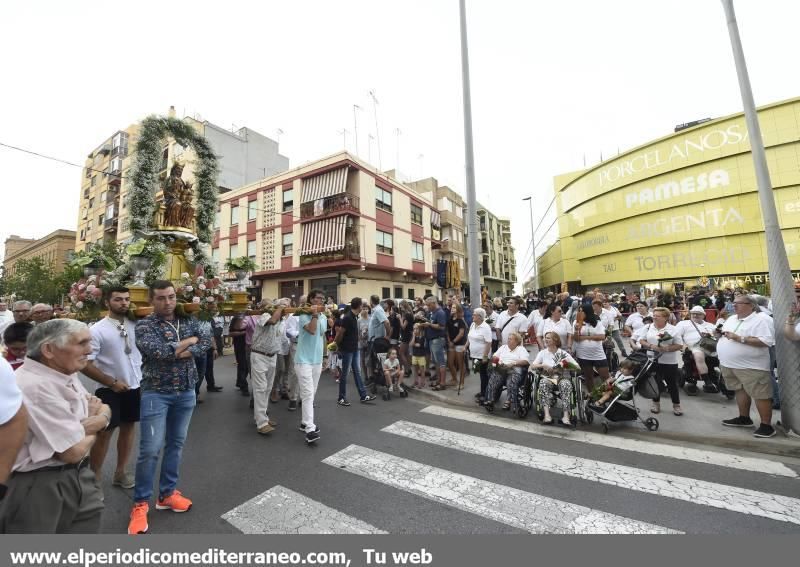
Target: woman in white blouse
662 337
479 339
547 360
512 365
558 324
588 340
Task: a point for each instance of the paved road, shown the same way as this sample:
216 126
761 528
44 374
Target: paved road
406 466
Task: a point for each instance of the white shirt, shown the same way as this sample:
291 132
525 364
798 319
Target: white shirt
734 354
6 315
10 395
479 338
590 350
292 327
651 335
548 359
614 314
517 324
108 351
3 326
509 357
634 321
689 334
607 319
563 328
535 320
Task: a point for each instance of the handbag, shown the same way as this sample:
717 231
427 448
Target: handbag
707 344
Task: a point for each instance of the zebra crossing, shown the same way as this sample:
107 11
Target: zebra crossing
522 507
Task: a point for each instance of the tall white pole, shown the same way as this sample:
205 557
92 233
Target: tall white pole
377 129
780 276
533 248
473 252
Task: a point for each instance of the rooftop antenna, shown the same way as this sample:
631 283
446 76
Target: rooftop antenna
344 132
278 133
420 158
356 109
370 137
397 133
377 130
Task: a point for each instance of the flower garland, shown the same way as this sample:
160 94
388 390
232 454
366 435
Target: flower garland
144 180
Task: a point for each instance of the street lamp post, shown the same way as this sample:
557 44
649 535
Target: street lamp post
533 249
780 276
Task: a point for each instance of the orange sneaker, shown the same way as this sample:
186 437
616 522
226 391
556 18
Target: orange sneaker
138 523
175 502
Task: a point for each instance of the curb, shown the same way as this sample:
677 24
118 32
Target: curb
767 447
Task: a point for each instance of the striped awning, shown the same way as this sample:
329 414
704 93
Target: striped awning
436 219
325 185
322 236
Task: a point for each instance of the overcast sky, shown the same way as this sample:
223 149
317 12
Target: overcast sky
552 82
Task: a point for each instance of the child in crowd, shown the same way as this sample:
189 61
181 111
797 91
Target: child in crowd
15 338
392 370
614 386
418 351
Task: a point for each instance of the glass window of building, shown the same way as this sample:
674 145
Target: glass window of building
216 219
384 242
234 251
288 200
251 250
235 215
417 252
252 210
416 214
383 199
102 196
288 242
215 255
110 211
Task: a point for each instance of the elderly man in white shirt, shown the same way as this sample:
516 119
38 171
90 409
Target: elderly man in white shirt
744 361
691 331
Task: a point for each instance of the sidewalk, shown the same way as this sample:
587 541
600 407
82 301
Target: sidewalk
700 422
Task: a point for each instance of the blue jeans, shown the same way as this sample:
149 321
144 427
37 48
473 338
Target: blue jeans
164 424
351 359
438 352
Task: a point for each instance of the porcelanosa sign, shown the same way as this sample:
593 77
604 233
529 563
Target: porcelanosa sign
666 155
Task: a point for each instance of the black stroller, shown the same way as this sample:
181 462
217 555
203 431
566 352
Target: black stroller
378 352
623 406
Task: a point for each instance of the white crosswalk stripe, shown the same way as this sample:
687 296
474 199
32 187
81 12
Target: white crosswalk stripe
511 506
649 448
283 511
743 500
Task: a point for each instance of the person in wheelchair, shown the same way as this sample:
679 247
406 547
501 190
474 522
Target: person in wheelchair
548 362
511 366
698 335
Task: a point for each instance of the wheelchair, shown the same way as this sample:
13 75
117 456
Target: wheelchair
577 405
524 394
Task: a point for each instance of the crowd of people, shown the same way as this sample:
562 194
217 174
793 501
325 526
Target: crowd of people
55 435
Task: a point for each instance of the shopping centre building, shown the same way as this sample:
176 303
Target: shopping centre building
681 211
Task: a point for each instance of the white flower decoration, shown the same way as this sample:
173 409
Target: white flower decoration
195 300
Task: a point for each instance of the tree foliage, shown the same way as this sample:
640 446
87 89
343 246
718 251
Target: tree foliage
36 281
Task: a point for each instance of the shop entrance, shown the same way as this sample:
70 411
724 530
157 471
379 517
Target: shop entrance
293 290
328 285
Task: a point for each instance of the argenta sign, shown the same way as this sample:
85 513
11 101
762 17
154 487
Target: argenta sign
682 149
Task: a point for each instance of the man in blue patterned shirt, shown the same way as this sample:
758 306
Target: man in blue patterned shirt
168 344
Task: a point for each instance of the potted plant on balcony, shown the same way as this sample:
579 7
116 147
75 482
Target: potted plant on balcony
240 266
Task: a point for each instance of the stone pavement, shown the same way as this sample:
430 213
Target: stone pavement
700 422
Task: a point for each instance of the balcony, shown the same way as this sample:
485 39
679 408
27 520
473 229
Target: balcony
121 151
350 253
343 202
112 193
449 218
114 179
110 225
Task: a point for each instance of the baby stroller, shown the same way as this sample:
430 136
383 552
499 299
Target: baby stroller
611 355
622 407
577 410
378 352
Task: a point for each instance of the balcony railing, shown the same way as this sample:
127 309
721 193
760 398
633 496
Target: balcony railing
343 202
111 224
348 253
121 151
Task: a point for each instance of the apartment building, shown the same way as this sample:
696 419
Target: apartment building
498 266
337 224
56 248
244 156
